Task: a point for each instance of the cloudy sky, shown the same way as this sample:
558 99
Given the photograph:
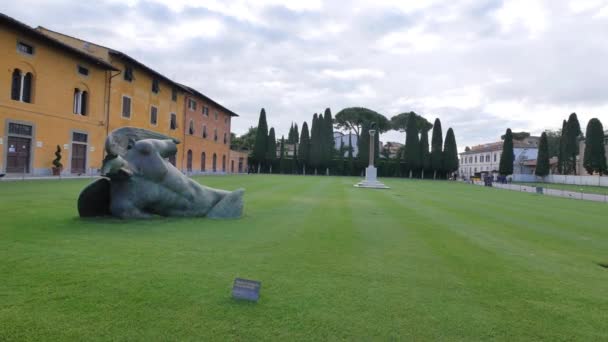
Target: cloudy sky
479 65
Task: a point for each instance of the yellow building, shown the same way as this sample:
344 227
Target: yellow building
50 95
62 91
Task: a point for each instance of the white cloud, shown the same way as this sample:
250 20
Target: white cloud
352 74
411 41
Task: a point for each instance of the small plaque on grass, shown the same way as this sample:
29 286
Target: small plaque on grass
245 289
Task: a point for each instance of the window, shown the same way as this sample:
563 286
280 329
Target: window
174 94
214 162
19 129
79 137
126 107
189 161
203 161
215 134
224 163
83 71
487 158
21 86
226 120
475 159
216 115
155 86
495 157
173 123
225 138
206 111
81 98
128 74
153 115
25 48
204 131
191 128
191 104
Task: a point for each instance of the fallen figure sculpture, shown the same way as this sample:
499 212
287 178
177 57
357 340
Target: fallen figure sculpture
139 182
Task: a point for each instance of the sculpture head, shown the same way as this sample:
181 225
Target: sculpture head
115 167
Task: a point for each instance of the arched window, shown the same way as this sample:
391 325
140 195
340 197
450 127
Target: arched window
232 166
80 101
204 131
203 161
189 161
191 127
214 162
16 85
26 94
21 86
224 163
215 134
225 138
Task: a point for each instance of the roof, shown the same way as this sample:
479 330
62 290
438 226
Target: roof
206 98
31 32
530 142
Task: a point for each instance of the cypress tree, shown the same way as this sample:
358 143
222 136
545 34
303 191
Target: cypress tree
261 141
315 143
425 156
436 148
450 153
328 132
412 148
271 152
282 155
542 162
363 144
304 148
595 153
572 149
351 162
506 158
296 134
340 170
562 155
290 139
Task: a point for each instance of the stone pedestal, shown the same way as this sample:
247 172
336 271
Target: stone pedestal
371 180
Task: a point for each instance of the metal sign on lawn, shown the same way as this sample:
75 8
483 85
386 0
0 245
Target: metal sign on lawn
246 289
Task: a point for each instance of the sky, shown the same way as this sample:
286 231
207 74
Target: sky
481 66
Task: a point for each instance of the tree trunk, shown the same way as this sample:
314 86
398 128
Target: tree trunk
410 174
422 175
259 167
434 174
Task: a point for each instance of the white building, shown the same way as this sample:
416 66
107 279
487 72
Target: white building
486 157
340 137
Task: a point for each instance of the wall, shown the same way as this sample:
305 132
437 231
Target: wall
51 111
197 144
564 179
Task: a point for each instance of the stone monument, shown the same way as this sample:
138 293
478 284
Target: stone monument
371 179
139 182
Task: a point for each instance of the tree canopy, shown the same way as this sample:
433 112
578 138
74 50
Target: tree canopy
595 153
353 118
506 158
437 148
261 140
399 122
450 152
412 148
542 161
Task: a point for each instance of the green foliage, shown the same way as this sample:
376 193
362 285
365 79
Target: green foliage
553 142
328 138
351 163
282 159
353 119
57 160
506 158
271 153
518 135
304 146
412 148
399 122
315 141
363 144
563 155
425 156
261 140
245 141
595 153
296 134
437 148
450 153
572 142
542 162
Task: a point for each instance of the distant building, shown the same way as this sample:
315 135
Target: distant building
393 148
486 157
340 137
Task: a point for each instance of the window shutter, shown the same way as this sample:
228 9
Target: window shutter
83 102
76 100
27 87
16 85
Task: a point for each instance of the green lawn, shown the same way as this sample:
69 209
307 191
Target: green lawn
602 190
422 261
